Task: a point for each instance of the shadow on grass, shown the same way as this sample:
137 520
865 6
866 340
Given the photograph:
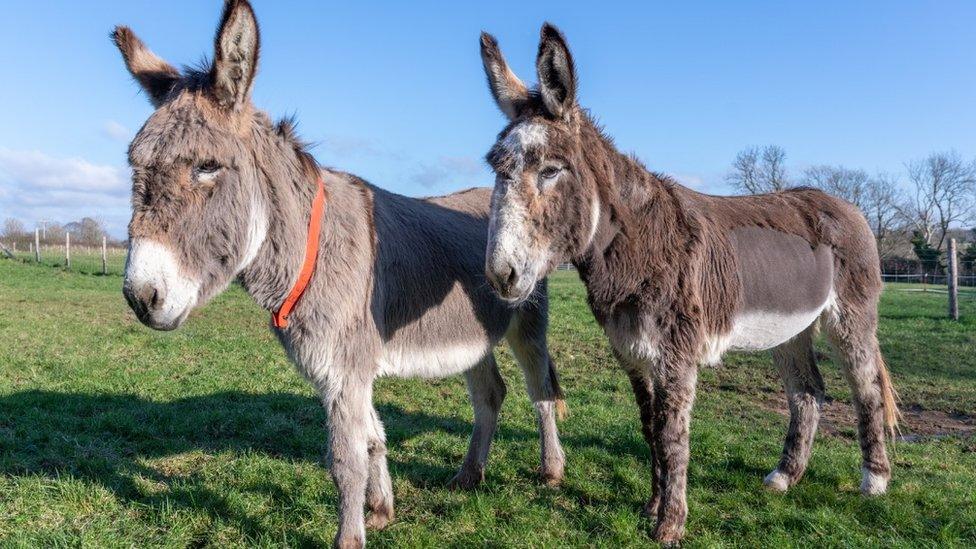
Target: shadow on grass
103 438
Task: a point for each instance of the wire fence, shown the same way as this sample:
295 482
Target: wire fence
934 272
93 258
85 257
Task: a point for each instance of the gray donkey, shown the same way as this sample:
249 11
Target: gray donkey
397 284
676 278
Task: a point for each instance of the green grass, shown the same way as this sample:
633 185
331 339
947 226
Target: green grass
114 435
84 259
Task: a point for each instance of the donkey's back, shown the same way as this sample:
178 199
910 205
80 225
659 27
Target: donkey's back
429 284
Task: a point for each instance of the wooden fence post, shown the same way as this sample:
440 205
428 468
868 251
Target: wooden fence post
67 250
953 281
104 256
37 245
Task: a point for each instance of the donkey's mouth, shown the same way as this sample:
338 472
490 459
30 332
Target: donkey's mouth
150 320
165 326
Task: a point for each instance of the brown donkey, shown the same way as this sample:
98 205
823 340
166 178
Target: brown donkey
676 278
398 287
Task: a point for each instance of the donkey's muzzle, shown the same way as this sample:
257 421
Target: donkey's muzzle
146 302
506 279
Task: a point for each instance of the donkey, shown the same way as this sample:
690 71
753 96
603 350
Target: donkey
676 278
395 285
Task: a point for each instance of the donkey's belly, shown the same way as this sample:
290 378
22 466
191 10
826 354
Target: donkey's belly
785 282
760 330
432 362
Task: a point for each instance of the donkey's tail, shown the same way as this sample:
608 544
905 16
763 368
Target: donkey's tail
889 397
557 390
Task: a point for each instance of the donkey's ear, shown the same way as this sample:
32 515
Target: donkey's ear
235 54
156 76
509 92
557 76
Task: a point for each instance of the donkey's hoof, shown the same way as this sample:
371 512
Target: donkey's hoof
467 479
551 480
349 542
552 475
777 481
379 518
873 484
669 536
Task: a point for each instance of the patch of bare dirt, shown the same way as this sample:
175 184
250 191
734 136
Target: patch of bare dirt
917 424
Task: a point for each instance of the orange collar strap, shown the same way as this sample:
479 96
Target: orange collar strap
280 317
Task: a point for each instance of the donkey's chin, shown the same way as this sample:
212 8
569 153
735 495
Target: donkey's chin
164 323
515 296
169 325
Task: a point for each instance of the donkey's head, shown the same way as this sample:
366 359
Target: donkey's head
545 207
199 216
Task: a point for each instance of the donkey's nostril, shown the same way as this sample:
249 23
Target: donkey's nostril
150 298
512 277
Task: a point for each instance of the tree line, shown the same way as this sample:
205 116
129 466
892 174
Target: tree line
85 232
911 213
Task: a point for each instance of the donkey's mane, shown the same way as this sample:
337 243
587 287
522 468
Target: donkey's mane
287 128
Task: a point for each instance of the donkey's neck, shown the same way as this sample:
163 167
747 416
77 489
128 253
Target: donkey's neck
640 213
286 194
628 192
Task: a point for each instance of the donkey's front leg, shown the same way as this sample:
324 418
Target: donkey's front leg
347 404
674 394
643 388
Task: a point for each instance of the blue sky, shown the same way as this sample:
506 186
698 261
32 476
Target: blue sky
395 92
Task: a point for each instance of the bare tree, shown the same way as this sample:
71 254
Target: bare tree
759 170
942 193
851 185
55 232
13 228
881 209
87 231
876 197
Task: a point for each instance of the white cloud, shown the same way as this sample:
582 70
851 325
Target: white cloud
704 184
35 185
115 131
455 171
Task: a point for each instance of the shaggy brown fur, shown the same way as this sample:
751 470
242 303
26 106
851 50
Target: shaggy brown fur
675 276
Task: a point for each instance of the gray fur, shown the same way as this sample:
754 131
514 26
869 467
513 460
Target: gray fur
398 289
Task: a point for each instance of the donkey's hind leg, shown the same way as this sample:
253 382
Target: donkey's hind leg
486 388
804 386
527 338
379 489
851 330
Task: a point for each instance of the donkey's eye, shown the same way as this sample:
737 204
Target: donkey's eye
549 172
206 171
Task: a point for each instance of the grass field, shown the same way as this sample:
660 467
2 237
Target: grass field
113 435
84 259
